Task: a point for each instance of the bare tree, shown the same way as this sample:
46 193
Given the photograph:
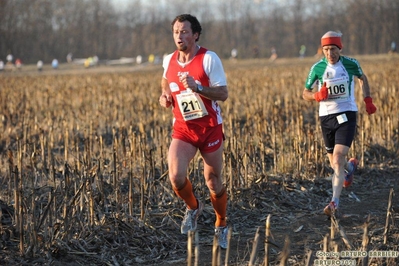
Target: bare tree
47 29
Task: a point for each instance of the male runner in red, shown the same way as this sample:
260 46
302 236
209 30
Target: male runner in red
192 83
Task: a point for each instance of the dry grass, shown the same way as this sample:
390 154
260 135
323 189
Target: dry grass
83 165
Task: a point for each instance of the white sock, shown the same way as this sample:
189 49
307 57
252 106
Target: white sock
336 201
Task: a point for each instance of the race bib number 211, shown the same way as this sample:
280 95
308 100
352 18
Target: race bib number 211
191 105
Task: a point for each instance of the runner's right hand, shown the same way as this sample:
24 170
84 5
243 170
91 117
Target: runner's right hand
165 100
322 94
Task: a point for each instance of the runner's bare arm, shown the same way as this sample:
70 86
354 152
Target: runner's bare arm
165 99
218 93
364 84
308 95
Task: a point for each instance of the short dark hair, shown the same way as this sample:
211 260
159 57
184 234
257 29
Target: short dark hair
195 25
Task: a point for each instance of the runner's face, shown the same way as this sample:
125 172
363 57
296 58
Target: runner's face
331 52
183 35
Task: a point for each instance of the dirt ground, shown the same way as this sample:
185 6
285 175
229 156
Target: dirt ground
295 208
296 219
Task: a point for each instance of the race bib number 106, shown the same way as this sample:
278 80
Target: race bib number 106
337 89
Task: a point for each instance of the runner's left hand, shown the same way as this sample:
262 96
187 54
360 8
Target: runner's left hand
370 107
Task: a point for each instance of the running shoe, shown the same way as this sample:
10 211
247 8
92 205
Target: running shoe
189 222
221 233
352 165
331 210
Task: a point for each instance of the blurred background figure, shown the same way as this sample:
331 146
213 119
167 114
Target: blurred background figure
9 63
54 63
393 48
88 62
95 60
234 53
302 51
39 65
91 61
69 58
255 52
9 58
151 58
1 65
139 59
273 55
18 63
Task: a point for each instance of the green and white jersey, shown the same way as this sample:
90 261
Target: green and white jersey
340 82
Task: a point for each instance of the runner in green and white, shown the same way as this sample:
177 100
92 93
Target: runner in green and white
334 77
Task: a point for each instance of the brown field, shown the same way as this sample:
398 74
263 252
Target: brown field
83 169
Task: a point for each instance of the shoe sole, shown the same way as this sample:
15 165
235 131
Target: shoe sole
331 211
336 214
349 182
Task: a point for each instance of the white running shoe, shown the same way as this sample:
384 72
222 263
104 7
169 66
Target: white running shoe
221 233
189 222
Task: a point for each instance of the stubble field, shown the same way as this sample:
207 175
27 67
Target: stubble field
83 169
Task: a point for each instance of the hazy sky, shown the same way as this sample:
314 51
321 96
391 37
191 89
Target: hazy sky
124 3
120 3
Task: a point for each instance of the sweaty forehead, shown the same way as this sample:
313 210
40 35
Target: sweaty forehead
178 26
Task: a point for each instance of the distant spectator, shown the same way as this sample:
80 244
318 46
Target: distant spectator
18 63
139 59
91 61
9 58
234 53
273 55
157 60
393 47
54 63
302 51
88 62
95 60
39 65
255 52
1 65
151 58
69 58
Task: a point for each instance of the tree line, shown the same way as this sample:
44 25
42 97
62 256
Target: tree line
48 29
